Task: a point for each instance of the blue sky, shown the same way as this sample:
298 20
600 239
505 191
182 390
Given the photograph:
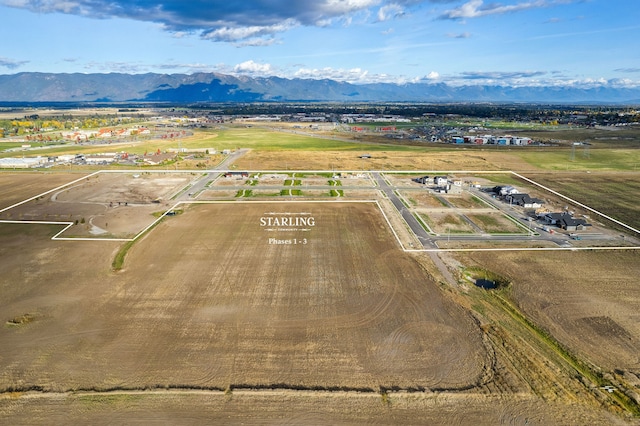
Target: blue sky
512 42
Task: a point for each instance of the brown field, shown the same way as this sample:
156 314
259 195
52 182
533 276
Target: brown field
347 309
105 205
404 180
218 194
360 194
518 244
295 408
466 200
429 159
421 198
444 222
587 300
614 194
495 222
208 321
16 187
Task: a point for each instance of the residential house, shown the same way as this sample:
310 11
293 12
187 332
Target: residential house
565 221
554 218
440 180
524 200
505 190
425 180
569 223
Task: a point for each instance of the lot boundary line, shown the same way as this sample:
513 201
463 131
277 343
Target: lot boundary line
67 225
577 203
47 193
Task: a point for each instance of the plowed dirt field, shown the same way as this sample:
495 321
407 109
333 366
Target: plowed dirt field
587 300
207 300
16 187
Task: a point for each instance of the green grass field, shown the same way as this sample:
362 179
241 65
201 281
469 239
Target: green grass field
609 150
592 159
269 140
228 138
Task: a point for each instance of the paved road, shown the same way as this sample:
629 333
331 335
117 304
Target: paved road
413 223
557 238
446 202
424 238
428 241
199 185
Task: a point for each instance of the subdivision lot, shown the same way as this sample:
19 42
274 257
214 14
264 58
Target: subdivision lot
495 222
422 198
206 303
207 300
19 186
443 222
296 179
102 205
615 194
466 200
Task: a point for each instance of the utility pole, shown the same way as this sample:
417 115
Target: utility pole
572 157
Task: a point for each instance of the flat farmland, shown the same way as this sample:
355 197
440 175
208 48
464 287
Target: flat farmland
383 157
299 324
16 187
294 408
614 194
587 300
207 300
102 205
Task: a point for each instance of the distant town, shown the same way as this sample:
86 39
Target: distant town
457 124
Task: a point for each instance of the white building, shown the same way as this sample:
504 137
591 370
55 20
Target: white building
22 163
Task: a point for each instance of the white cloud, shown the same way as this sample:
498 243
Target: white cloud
476 8
238 22
390 11
253 68
234 34
117 67
351 75
186 67
433 75
323 23
532 79
339 7
259 42
223 21
624 82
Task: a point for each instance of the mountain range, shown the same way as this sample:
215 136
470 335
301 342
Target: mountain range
31 87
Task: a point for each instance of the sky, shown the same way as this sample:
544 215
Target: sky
582 43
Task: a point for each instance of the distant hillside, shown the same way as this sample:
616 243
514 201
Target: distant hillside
212 87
